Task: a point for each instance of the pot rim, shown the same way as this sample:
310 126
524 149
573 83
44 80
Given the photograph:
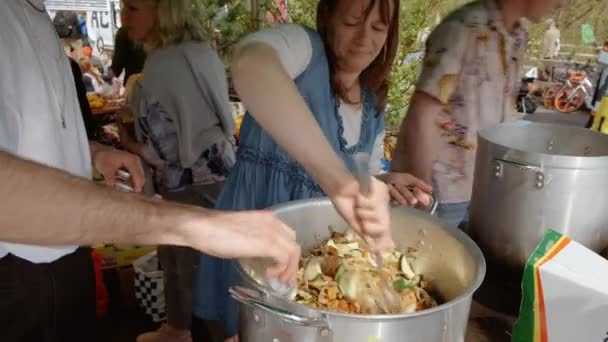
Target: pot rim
539 159
455 232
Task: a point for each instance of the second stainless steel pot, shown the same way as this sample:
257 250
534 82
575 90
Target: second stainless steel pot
533 177
446 256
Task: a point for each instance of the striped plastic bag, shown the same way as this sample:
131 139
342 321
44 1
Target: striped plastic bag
565 294
149 286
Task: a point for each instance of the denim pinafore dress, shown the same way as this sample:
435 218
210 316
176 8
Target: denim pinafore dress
265 175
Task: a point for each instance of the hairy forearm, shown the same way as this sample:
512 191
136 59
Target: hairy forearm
416 147
273 99
42 205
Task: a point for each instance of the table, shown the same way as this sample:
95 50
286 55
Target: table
105 115
106 110
486 325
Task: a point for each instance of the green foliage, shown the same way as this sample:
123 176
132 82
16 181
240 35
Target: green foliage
570 18
414 18
303 12
233 20
575 13
226 29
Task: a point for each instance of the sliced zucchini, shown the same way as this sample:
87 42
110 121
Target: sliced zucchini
356 253
313 268
339 272
305 295
350 235
347 248
405 267
411 308
349 283
402 284
318 282
391 257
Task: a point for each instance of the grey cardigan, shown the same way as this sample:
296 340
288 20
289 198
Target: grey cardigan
189 81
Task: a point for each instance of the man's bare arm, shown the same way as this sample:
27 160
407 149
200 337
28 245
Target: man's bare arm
416 149
42 205
45 206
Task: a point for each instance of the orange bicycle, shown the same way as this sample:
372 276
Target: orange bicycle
571 96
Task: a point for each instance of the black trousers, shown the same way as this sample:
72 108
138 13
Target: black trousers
50 302
179 263
207 331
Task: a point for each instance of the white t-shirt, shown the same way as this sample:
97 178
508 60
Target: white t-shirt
294 48
40 117
603 57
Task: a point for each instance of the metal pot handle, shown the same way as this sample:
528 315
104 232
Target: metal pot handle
435 203
251 298
432 208
539 175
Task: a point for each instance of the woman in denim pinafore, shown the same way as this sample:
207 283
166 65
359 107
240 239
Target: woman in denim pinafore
315 98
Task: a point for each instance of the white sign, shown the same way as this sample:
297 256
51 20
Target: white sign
101 24
77 5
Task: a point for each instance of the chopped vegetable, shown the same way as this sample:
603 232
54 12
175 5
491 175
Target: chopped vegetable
305 295
313 268
338 275
410 309
345 248
339 272
405 267
349 284
390 257
402 284
416 280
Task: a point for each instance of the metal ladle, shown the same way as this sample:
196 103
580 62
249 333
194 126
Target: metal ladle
387 300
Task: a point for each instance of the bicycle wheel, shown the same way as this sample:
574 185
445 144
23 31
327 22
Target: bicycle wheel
549 96
569 100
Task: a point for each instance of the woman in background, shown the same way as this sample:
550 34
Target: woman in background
91 77
184 116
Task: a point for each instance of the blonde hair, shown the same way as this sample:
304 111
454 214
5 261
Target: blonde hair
177 21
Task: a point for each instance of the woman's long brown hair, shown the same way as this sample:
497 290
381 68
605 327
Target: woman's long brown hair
375 77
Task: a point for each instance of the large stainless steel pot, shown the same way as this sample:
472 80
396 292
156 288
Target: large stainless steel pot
447 257
533 177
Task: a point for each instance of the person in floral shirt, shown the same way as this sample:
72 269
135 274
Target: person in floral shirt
468 83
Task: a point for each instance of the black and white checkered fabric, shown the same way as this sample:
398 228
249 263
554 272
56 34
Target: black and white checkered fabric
149 286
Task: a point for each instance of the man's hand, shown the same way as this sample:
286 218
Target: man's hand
108 161
407 190
249 234
368 215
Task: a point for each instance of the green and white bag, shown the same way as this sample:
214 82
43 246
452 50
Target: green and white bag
565 294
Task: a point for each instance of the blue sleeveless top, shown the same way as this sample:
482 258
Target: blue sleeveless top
265 175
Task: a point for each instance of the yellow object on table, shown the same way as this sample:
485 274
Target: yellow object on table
117 256
600 123
237 123
96 101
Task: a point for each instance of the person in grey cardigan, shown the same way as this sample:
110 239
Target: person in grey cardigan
184 129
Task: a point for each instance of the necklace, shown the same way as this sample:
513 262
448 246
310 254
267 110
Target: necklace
41 10
45 76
